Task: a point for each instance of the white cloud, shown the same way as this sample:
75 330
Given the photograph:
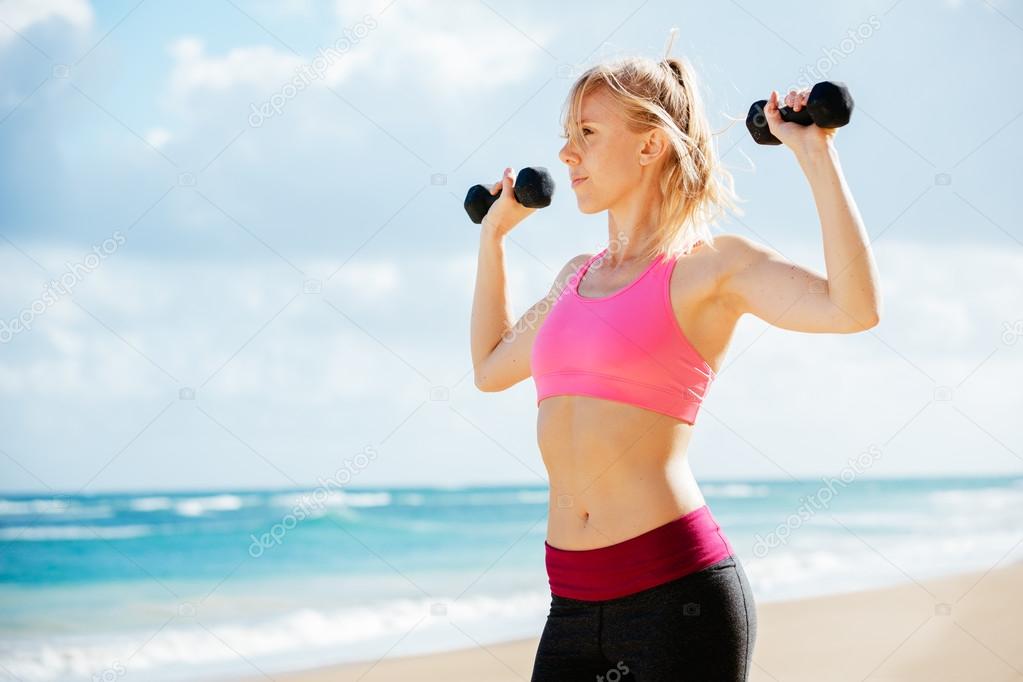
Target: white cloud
261 66
207 92
415 41
411 42
191 317
410 58
21 14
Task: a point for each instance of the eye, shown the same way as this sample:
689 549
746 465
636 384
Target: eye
564 136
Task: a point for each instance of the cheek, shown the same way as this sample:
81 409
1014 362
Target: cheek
612 160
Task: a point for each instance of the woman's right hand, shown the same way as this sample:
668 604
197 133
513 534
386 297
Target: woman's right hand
506 212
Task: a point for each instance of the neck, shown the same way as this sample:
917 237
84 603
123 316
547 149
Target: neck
631 224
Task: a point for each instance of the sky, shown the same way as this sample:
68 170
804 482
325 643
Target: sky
234 251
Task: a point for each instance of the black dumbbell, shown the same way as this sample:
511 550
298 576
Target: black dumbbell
829 106
534 188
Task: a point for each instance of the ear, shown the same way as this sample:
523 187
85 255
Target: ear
655 144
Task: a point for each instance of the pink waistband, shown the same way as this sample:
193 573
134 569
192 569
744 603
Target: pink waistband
680 547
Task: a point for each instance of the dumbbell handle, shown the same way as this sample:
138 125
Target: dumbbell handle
533 188
829 106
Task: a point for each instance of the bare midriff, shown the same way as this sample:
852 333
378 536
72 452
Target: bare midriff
615 470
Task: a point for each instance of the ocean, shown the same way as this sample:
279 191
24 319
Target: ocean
204 585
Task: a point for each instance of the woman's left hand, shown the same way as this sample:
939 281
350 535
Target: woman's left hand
796 137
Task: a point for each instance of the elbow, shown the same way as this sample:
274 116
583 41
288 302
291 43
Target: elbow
875 315
482 384
868 321
491 384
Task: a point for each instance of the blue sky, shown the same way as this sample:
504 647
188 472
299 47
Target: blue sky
272 299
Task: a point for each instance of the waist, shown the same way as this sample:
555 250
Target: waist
670 551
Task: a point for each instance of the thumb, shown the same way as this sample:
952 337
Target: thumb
771 114
509 178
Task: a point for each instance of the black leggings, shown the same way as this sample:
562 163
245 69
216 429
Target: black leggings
699 627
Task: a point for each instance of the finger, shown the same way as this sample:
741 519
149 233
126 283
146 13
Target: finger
771 113
499 185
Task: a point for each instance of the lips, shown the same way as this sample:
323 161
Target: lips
576 181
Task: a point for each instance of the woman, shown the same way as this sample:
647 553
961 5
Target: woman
644 584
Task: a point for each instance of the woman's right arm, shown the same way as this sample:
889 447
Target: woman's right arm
500 350
491 313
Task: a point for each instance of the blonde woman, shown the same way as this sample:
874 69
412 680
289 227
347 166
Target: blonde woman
644 583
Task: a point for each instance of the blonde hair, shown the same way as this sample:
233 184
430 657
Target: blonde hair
695 187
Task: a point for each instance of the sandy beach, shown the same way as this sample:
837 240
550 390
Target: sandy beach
964 627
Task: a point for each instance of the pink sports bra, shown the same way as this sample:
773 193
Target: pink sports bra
626 347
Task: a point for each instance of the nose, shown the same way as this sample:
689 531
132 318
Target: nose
567 156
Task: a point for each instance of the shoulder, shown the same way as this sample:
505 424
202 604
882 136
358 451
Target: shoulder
737 248
718 264
737 269
726 254
569 270
735 254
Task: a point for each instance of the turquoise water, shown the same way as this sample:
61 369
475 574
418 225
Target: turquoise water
161 586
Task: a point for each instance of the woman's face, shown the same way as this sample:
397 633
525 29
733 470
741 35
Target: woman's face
615 160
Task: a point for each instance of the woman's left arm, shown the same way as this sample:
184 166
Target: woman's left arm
760 281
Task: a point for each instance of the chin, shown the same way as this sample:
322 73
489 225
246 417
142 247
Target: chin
586 204
588 207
